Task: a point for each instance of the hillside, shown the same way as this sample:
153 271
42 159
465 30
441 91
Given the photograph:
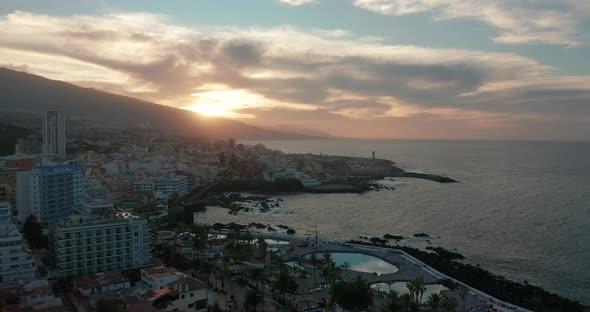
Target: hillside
29 93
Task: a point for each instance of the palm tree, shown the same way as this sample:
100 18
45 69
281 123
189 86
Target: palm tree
346 267
417 289
464 291
257 275
314 260
393 300
406 302
434 302
449 304
226 268
215 259
262 246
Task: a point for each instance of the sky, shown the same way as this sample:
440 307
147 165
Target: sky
415 69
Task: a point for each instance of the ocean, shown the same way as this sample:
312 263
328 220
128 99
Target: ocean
521 210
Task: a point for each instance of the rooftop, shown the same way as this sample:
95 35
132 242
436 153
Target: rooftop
91 281
158 272
187 284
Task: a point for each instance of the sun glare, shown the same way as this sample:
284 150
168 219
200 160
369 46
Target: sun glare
210 109
221 101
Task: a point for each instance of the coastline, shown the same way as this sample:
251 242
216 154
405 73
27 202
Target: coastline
430 263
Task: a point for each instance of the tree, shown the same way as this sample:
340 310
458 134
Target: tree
417 289
449 304
464 291
393 301
346 267
262 247
257 275
329 269
34 233
405 302
314 261
252 300
434 302
285 284
354 295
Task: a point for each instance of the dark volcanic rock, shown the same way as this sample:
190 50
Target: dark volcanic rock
389 236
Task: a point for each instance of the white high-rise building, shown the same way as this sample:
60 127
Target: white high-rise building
49 192
16 264
85 245
54 134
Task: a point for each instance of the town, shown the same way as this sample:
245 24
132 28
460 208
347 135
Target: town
108 221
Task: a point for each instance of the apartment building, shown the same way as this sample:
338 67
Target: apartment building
16 264
86 245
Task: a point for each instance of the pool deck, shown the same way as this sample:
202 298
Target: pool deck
409 269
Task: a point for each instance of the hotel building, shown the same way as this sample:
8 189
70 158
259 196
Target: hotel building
85 245
49 192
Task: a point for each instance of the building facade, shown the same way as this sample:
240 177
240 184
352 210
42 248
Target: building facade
16 264
93 245
166 186
159 277
54 134
101 283
95 206
193 295
49 192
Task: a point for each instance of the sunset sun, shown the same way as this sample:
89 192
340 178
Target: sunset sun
210 109
221 101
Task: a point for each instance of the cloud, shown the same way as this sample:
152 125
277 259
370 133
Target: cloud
316 75
518 21
296 2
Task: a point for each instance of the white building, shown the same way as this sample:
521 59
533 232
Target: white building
159 277
166 186
49 192
193 295
95 206
92 245
16 264
54 134
281 173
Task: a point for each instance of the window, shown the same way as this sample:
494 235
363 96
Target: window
191 295
182 296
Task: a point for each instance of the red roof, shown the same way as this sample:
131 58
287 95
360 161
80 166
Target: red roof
92 281
157 272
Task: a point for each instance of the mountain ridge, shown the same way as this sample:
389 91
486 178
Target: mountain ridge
25 92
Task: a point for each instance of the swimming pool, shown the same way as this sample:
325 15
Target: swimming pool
361 262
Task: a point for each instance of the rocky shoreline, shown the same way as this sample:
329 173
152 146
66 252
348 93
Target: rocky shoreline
521 294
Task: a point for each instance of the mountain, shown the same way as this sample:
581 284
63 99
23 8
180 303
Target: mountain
23 92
